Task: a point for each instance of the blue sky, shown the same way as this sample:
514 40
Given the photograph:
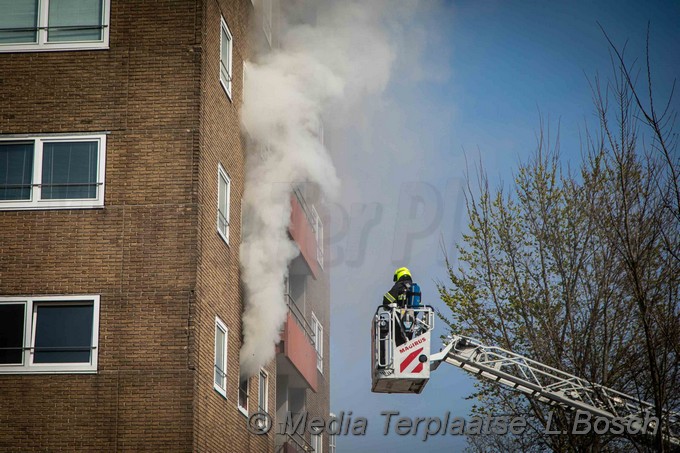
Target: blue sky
488 69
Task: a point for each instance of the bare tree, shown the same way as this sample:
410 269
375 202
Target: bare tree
645 222
580 270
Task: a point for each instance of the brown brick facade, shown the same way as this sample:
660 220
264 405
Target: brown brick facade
152 252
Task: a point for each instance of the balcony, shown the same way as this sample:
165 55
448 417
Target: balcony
299 318
303 230
296 354
292 443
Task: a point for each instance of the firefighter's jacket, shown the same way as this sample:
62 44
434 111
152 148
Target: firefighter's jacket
397 294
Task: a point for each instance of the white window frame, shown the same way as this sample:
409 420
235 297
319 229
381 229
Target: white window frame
320 133
222 174
332 437
35 202
317 328
317 442
263 394
30 313
225 79
243 409
221 327
243 90
42 45
318 233
267 19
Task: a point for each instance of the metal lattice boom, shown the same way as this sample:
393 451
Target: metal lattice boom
552 386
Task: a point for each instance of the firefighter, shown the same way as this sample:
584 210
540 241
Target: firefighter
396 297
402 283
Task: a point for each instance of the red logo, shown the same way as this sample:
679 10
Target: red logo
410 358
412 345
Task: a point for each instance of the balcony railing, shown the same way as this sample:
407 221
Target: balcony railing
312 244
292 443
300 318
305 207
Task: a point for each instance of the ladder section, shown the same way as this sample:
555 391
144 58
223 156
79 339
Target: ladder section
552 386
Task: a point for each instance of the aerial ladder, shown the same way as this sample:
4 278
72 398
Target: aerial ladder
402 362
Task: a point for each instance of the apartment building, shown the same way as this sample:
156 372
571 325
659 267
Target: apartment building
121 177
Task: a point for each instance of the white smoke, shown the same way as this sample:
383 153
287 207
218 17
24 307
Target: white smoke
317 70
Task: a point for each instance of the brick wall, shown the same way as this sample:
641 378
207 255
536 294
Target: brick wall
218 424
138 252
318 301
153 252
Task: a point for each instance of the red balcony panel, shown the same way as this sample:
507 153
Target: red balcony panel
303 234
297 348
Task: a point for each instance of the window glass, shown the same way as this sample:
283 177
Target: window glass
318 232
262 397
63 333
267 19
18 21
331 443
225 57
11 333
52 173
16 170
317 329
69 170
75 20
319 347
223 208
317 444
243 394
219 357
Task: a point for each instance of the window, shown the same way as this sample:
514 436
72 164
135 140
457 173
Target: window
243 389
223 193
220 357
41 25
267 13
226 47
265 150
317 329
320 132
317 225
317 443
49 334
263 392
244 75
332 437
52 172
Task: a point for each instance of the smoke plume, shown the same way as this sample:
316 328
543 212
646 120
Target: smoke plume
316 71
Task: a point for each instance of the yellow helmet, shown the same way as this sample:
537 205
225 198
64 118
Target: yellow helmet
402 271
